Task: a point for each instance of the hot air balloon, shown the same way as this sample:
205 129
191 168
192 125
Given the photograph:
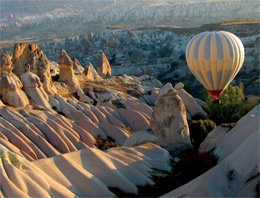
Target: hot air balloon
215 58
10 16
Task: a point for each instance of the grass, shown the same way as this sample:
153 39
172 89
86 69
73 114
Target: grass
63 90
104 144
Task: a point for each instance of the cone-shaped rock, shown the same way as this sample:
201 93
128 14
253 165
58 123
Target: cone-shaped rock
90 72
103 67
66 66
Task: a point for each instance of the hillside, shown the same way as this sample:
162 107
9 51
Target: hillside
63 18
68 131
160 49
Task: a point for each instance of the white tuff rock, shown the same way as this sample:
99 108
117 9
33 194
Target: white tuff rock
10 85
169 121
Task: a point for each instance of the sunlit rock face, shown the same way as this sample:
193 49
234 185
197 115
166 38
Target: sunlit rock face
34 89
66 66
10 86
90 72
169 120
103 67
25 53
67 72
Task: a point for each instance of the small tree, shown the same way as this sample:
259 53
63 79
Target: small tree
199 130
231 100
148 72
187 87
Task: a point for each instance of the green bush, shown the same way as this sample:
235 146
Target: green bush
199 130
246 107
190 166
187 87
148 72
231 100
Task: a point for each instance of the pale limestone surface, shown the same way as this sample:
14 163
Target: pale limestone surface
141 137
85 173
134 119
194 109
169 120
213 138
34 89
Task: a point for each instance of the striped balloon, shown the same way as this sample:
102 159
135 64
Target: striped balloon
214 58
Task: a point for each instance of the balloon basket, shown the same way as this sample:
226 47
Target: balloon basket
216 101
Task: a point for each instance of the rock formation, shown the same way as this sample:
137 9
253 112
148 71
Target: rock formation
150 81
191 104
169 120
85 173
33 88
25 53
103 66
66 67
1 104
78 69
67 72
83 97
90 72
10 85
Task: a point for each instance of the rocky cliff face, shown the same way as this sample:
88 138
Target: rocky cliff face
169 120
10 85
25 53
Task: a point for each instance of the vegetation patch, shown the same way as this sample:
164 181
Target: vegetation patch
199 130
118 104
231 100
128 129
104 144
247 106
189 166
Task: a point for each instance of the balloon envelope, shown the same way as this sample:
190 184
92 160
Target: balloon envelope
10 16
214 58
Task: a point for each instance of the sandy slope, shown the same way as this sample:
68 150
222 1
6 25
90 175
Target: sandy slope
87 172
